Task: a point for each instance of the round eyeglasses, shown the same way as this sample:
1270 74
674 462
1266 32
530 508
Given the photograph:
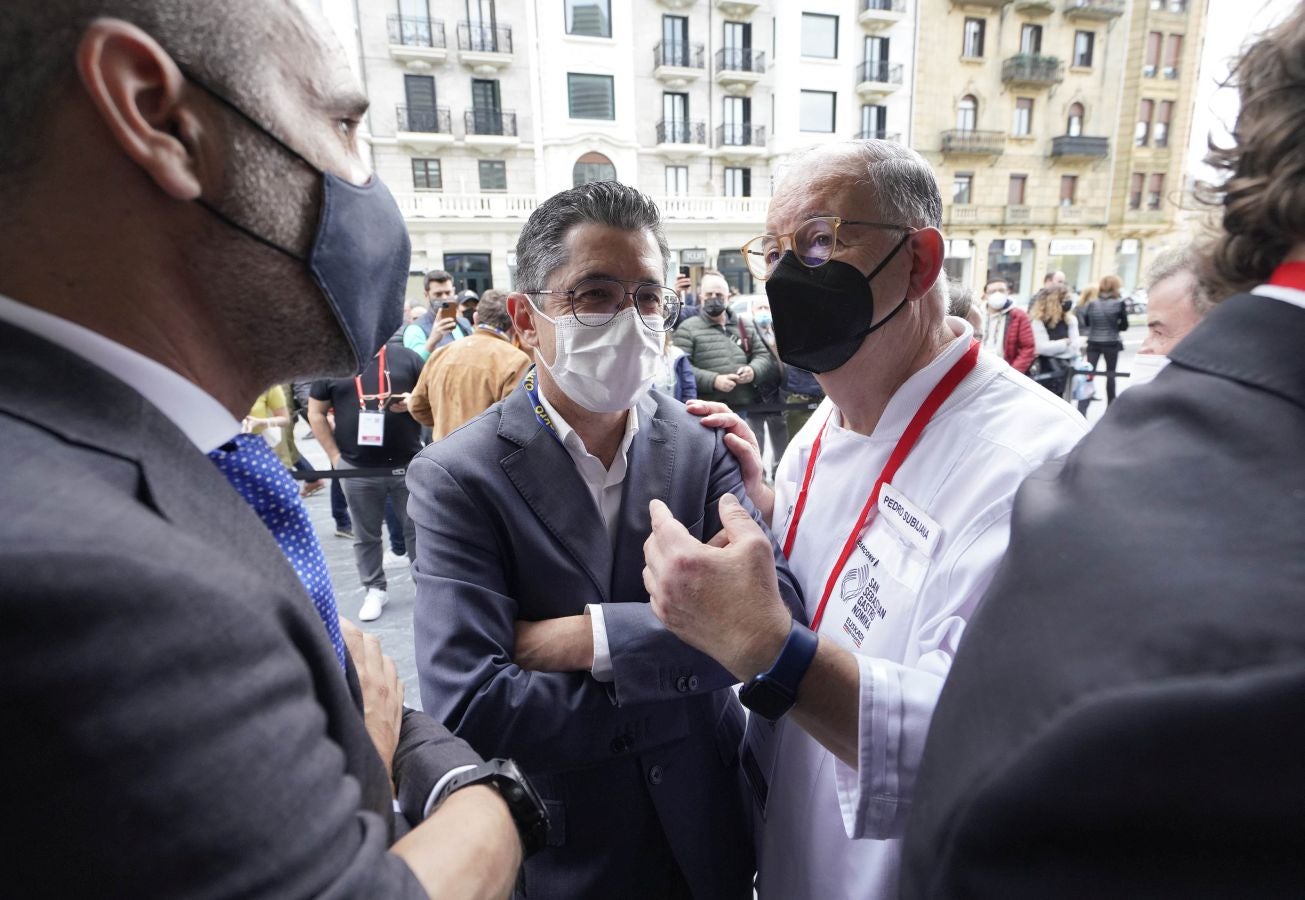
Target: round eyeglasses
813 243
596 301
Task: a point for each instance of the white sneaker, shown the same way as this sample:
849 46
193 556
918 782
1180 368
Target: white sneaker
393 559
372 605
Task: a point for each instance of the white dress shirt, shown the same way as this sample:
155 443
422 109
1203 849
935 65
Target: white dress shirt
605 488
901 604
199 415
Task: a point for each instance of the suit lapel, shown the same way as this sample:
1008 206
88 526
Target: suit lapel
649 475
546 478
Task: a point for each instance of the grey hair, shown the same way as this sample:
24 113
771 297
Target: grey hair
1183 261
541 248
222 43
959 299
904 184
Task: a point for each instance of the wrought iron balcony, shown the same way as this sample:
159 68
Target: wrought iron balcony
740 136
1080 147
889 6
734 59
491 122
678 54
423 120
1032 69
1098 10
680 131
413 31
879 71
990 4
879 135
484 38
974 143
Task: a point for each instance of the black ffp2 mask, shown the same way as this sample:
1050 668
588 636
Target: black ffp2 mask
823 315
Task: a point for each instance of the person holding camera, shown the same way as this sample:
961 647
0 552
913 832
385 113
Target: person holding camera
373 430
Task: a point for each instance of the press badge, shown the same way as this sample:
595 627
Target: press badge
371 428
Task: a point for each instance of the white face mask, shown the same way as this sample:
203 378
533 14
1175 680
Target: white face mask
997 300
604 368
1146 366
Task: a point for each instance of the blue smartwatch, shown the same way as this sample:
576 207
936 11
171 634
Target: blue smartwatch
773 693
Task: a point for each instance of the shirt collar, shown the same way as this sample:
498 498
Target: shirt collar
1285 294
576 447
909 397
197 413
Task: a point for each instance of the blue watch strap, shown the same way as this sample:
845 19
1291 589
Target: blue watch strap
794 659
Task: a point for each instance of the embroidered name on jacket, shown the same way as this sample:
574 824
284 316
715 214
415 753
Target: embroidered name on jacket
909 521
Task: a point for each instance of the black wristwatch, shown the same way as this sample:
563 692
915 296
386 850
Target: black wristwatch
528 810
773 693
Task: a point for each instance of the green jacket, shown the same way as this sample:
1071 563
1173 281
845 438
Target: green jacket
720 350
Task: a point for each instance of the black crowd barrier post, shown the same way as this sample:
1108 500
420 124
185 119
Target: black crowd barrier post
315 475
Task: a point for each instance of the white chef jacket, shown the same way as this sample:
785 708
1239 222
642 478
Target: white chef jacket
901 604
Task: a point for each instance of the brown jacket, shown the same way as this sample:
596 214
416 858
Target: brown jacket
463 379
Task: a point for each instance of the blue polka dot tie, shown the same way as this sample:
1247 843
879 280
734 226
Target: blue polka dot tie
256 473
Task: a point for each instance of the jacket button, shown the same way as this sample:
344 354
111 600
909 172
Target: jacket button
682 684
693 682
655 775
618 745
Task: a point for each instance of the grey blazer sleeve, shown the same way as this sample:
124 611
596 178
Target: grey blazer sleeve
426 752
650 663
179 719
465 632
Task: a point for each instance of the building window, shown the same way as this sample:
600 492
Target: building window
874 123
592 167
1015 191
738 182
675 42
1068 189
1023 124
1152 61
1084 43
820 36
493 175
1135 190
817 111
677 181
963 188
1173 55
1145 112
592 18
967 113
590 96
1156 190
470 271
420 113
972 47
1031 39
426 175
1074 127
487 108
736 123
1163 116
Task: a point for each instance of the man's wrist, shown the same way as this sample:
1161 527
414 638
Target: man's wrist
762 647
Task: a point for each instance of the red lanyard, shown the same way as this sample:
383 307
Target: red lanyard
955 375
382 377
1290 275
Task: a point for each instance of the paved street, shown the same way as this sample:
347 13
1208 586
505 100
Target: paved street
394 627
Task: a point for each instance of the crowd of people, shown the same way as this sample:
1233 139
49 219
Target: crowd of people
934 639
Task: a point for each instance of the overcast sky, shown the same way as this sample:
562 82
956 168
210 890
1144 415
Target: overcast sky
1229 26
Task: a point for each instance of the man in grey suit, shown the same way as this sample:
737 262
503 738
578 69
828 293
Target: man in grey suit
178 721
534 634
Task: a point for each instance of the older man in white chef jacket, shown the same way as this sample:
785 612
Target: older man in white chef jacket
893 505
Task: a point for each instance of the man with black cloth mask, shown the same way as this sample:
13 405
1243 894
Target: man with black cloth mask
892 505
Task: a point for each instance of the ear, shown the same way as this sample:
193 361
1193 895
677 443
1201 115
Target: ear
143 100
926 246
522 320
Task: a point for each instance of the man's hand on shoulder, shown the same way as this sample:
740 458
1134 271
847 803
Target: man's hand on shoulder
382 691
741 442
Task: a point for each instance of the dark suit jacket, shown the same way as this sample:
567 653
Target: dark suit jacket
1126 714
640 774
175 721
